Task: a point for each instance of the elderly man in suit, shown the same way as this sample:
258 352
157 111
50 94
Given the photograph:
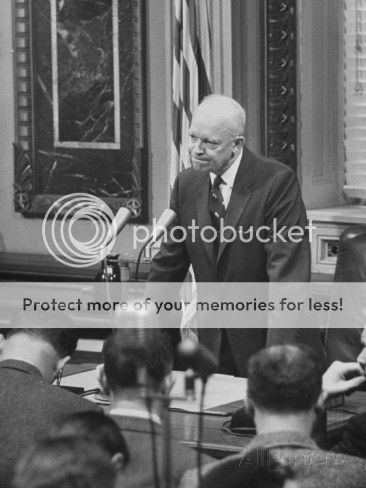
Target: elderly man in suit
31 360
230 186
284 388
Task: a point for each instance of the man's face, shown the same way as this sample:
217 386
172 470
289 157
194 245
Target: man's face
212 145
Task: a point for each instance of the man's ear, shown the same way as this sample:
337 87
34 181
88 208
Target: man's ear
118 461
239 142
321 400
61 363
249 408
167 384
102 379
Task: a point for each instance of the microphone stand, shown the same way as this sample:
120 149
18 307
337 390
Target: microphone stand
149 398
200 432
165 401
163 223
139 258
154 450
202 362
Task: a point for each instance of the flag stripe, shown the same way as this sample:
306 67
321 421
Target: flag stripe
191 73
204 86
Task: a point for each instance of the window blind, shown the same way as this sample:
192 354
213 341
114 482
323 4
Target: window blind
355 97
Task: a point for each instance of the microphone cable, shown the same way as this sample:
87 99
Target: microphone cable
139 256
154 450
200 433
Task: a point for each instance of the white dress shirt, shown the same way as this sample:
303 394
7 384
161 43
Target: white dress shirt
228 177
135 413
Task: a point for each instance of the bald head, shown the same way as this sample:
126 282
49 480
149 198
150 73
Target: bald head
223 110
216 134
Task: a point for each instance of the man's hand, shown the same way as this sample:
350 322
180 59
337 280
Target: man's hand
342 377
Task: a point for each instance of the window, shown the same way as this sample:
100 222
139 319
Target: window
355 98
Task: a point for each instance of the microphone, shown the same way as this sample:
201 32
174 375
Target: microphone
199 358
204 364
166 219
119 222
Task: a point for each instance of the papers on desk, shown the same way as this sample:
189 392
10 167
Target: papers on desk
220 390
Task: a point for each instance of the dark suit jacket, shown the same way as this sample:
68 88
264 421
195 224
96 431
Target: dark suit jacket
28 407
139 473
343 344
354 437
263 190
312 467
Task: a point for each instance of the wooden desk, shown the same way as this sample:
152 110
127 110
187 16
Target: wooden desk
41 267
223 389
184 424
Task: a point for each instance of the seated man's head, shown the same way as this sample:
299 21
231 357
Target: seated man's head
65 463
132 361
284 382
48 349
97 428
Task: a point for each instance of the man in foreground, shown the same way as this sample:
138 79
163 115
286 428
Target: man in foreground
284 387
353 441
136 373
31 360
65 463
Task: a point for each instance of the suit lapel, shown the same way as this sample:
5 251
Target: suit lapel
240 195
203 212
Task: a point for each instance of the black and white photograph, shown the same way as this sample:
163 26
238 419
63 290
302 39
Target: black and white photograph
183 244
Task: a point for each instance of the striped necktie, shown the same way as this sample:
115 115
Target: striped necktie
217 207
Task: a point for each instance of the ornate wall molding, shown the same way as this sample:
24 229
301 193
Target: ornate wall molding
279 81
40 174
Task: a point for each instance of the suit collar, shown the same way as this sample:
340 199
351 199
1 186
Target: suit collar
282 439
136 424
20 366
229 175
135 413
240 195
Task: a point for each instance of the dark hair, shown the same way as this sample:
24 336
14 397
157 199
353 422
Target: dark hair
284 379
255 469
65 463
63 340
130 349
95 427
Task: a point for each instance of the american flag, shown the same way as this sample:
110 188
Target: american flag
192 78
